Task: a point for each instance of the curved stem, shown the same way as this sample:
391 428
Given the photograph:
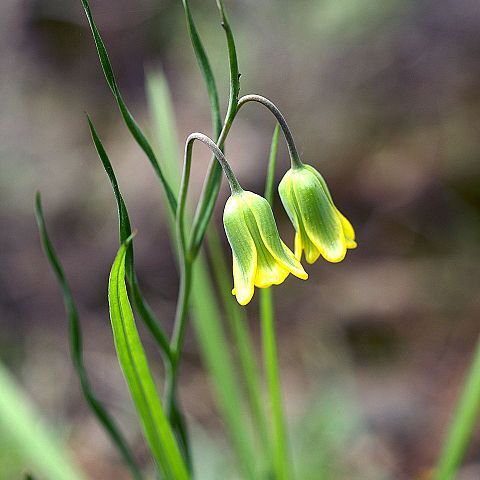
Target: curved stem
292 149
209 193
185 258
211 189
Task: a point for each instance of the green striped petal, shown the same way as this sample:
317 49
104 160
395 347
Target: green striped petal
243 249
320 228
269 235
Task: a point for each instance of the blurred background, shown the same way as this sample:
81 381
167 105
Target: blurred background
383 97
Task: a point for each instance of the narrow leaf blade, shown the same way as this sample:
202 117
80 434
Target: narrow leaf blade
125 231
134 364
33 441
130 122
76 348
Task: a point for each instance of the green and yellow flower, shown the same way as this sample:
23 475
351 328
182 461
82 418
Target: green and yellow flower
260 258
320 228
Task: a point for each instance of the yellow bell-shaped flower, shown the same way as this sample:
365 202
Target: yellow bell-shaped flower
320 228
260 258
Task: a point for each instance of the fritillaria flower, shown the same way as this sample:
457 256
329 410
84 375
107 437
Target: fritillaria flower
320 227
260 258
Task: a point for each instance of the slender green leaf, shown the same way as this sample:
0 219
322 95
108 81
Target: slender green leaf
127 116
463 423
205 68
214 346
238 325
272 163
214 176
141 305
133 361
164 125
212 184
76 348
22 426
232 57
281 460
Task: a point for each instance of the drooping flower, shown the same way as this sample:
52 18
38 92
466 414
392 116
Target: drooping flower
260 258
320 227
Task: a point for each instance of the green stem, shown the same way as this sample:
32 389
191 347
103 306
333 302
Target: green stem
463 423
212 184
176 343
209 193
281 462
186 259
238 325
280 453
272 163
292 149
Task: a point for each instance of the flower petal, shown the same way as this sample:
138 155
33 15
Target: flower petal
269 271
243 281
320 219
348 230
302 242
267 227
243 249
298 246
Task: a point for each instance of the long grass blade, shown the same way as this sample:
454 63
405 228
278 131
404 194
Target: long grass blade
205 68
281 463
125 231
272 164
232 57
238 325
134 364
463 423
141 305
76 348
130 122
33 442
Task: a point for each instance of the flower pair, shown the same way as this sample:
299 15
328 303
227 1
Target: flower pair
260 258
